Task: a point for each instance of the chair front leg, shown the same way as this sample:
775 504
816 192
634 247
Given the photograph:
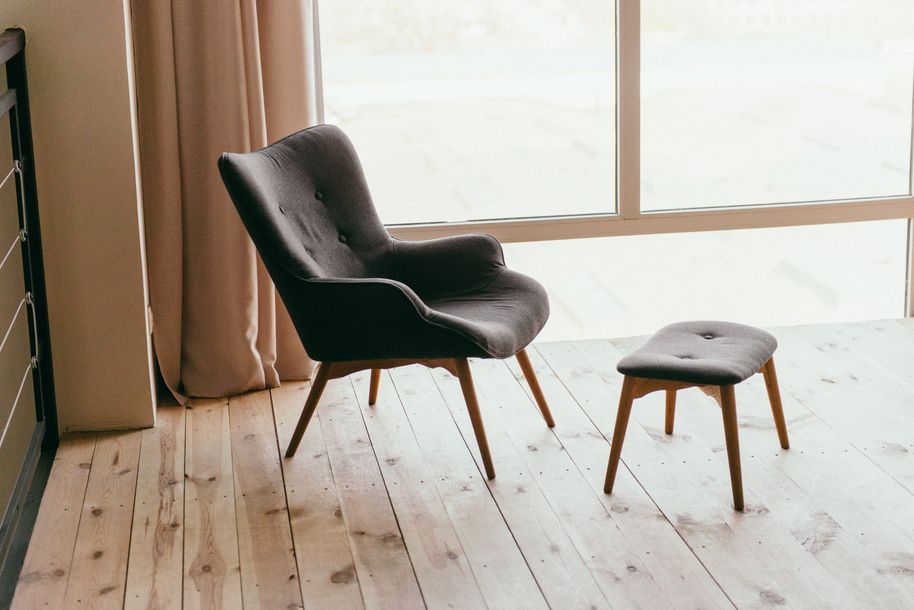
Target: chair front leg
525 365
469 395
317 388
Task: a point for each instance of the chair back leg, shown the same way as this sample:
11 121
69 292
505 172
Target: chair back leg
469 395
527 367
317 388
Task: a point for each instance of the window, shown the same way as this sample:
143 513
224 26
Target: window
568 119
769 102
475 109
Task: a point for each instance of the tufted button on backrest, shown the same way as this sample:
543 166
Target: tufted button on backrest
304 196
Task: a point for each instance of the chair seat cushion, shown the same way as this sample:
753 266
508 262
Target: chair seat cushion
703 353
501 318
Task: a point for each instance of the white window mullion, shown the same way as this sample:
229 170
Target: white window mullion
628 107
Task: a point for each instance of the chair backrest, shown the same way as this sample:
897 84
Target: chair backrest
306 205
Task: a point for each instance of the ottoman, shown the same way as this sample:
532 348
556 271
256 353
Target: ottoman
712 356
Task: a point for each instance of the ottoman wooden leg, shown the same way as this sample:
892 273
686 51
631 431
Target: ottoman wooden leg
731 435
774 397
625 409
374 385
670 410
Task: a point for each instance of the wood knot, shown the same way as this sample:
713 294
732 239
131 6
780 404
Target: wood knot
207 568
772 598
59 572
342 577
97 511
97 554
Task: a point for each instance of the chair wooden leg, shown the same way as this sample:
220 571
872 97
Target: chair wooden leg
373 387
317 388
670 410
774 397
469 395
615 452
524 360
731 435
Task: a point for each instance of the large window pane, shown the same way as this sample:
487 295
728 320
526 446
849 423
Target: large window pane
625 286
775 101
475 109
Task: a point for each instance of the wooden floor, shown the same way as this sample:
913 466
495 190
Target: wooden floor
385 506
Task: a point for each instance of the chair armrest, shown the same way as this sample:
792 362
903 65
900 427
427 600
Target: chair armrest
356 319
449 265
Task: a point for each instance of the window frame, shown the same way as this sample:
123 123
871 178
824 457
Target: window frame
629 219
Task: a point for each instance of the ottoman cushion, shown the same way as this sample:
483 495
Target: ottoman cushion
703 353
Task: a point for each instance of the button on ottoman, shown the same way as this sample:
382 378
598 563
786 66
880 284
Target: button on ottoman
713 356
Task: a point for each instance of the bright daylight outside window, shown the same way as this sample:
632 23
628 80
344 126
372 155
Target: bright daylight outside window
752 102
475 109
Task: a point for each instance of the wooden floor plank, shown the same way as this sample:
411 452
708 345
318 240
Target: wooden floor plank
826 523
805 488
754 559
48 561
326 570
155 570
874 454
662 550
560 569
269 575
611 558
833 377
99 571
501 571
383 565
436 552
212 577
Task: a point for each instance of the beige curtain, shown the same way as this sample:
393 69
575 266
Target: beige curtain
215 76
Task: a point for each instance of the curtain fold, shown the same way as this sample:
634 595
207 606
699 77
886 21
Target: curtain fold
211 77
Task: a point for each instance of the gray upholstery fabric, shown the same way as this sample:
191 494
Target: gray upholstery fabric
354 292
705 353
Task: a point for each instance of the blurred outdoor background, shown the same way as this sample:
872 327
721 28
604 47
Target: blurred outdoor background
484 109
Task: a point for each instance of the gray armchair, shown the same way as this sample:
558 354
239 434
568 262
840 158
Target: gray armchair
361 299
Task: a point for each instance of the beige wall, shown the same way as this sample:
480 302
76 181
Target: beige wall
80 75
